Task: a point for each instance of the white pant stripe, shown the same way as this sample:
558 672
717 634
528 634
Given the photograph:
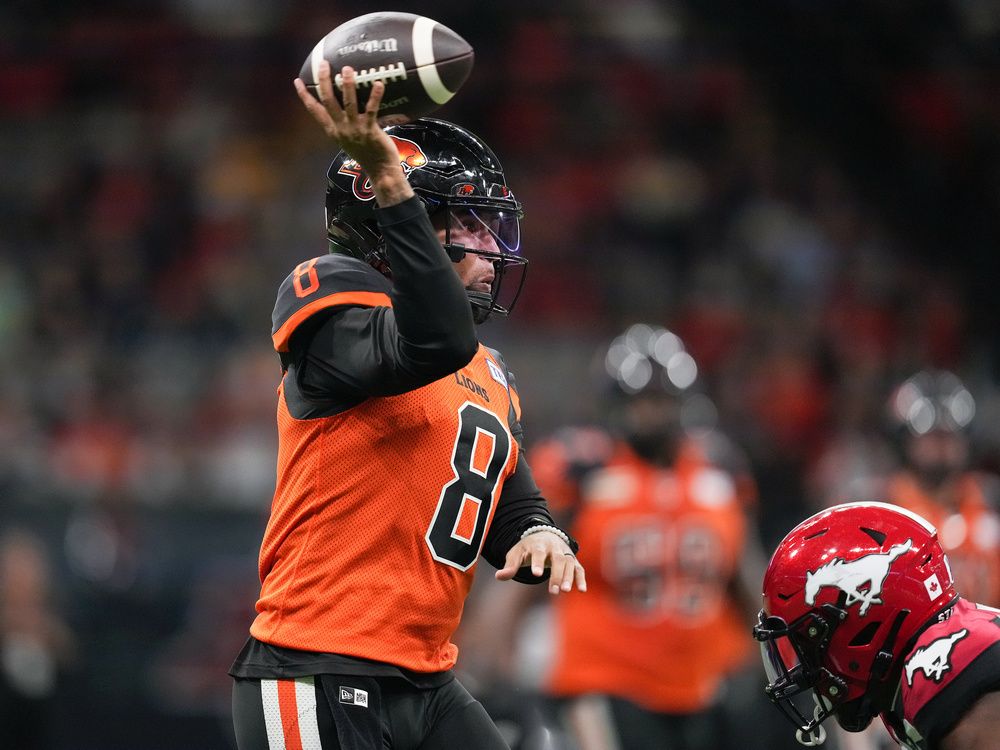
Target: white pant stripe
305 697
272 714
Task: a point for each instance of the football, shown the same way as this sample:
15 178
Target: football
422 63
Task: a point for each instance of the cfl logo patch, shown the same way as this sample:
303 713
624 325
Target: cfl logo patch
354 696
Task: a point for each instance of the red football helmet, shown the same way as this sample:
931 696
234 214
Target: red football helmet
845 595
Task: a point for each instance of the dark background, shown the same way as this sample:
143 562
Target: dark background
806 192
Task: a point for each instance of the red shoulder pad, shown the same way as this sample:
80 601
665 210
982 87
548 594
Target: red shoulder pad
953 663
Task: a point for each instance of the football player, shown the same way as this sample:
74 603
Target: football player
932 411
399 460
666 538
861 618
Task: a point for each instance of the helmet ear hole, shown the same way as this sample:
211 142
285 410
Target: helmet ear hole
865 635
878 536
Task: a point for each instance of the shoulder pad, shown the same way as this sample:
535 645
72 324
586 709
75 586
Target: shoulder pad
498 369
711 488
953 663
322 283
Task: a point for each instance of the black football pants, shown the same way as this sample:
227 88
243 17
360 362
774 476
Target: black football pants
346 712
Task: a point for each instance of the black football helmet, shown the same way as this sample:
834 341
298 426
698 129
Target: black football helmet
649 377
460 181
931 414
932 400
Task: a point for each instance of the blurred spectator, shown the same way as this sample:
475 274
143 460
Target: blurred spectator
36 644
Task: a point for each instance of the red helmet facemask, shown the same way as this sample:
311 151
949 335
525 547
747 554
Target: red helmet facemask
845 596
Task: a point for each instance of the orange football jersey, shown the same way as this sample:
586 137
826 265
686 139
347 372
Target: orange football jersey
970 534
380 511
656 626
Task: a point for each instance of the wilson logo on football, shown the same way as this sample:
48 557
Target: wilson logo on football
860 579
934 659
411 157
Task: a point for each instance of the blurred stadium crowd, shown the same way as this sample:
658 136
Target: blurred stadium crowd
807 193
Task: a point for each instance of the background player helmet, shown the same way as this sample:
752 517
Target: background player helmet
845 596
651 402
931 411
460 181
932 400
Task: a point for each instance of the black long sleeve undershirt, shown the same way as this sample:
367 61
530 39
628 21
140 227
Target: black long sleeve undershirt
436 332
353 353
342 357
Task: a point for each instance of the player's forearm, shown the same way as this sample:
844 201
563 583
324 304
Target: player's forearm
391 189
431 309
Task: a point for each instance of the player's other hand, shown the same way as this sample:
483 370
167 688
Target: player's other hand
358 133
543 550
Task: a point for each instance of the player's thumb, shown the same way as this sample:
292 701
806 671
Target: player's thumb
511 565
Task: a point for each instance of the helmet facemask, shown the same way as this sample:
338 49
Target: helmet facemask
793 657
492 233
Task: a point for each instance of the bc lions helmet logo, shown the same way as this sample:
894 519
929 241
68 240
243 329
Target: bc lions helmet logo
934 659
851 577
411 157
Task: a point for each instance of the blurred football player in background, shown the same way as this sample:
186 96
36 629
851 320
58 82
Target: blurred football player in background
665 536
862 618
398 458
644 659
932 412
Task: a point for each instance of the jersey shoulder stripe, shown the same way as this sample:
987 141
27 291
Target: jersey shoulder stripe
323 283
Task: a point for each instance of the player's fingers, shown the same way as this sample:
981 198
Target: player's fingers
349 90
581 576
317 110
375 99
556 571
512 563
568 572
325 87
539 556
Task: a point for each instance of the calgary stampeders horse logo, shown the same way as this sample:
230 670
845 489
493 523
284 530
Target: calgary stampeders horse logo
860 579
411 157
934 659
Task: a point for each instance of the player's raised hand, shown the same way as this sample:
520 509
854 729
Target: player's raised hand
358 133
542 550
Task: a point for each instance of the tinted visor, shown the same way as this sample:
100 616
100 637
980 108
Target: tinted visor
779 657
494 234
484 229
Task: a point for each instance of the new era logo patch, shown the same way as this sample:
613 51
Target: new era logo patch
353 696
496 372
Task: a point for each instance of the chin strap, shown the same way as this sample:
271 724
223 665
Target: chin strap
816 735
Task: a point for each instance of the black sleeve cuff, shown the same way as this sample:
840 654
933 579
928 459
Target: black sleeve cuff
511 520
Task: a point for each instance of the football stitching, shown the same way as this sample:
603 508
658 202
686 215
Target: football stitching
368 76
